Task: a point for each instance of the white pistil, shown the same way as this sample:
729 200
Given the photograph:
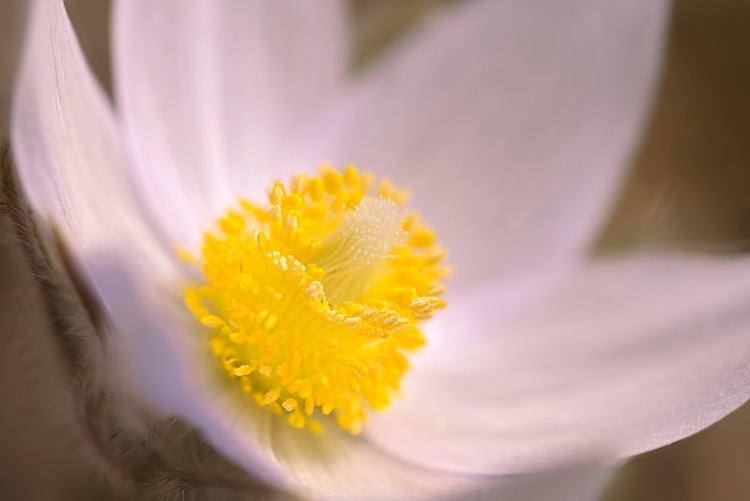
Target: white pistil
356 251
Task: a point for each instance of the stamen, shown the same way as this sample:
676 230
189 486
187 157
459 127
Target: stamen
312 303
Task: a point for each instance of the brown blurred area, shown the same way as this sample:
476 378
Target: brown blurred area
688 189
688 185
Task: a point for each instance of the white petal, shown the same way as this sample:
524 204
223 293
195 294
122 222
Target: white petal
167 360
635 352
162 357
578 480
168 363
338 466
212 93
65 142
512 122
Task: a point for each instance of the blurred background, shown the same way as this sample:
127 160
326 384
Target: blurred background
688 188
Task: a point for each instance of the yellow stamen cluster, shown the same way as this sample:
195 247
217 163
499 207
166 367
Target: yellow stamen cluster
311 302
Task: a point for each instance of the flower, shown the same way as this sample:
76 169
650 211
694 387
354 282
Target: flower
511 122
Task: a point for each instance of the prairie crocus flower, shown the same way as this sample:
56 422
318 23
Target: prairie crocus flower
274 307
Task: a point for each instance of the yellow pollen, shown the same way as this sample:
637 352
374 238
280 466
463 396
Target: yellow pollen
312 302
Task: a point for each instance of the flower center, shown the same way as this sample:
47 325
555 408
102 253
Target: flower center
312 302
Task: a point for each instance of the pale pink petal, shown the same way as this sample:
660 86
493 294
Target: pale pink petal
212 95
169 358
66 147
512 123
338 466
636 352
163 359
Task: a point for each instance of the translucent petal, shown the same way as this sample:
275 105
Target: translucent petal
636 352
167 357
338 466
161 356
212 93
66 146
512 122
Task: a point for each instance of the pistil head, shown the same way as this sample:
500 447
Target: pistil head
312 302
357 251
